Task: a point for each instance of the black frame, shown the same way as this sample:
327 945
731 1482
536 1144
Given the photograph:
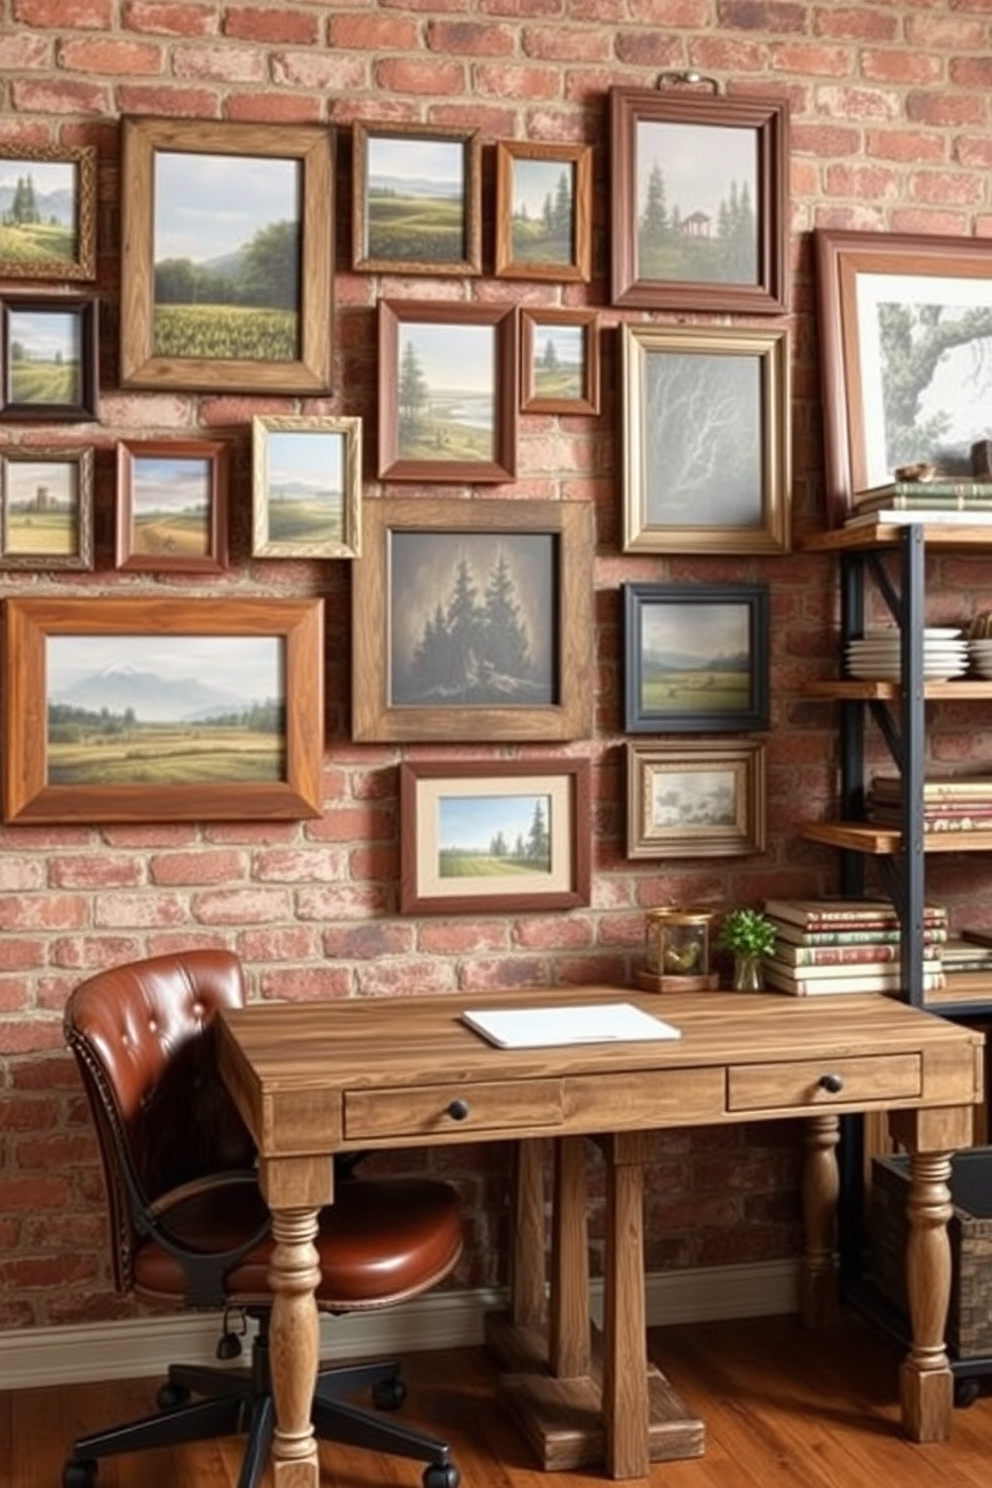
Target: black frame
84 307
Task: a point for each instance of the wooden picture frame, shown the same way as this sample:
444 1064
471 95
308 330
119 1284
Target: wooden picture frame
892 393
49 354
497 836
172 505
150 709
48 228
559 361
416 199
306 486
217 217
680 163
46 494
700 800
696 657
543 211
447 391
430 569
706 439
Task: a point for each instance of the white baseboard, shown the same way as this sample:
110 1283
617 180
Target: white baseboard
144 1346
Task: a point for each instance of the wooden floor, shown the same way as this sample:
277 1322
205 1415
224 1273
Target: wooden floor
782 1409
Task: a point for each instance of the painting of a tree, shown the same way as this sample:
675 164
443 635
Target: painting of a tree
936 372
696 209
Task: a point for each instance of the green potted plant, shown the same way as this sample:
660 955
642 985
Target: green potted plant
751 936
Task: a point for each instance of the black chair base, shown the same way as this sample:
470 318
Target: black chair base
236 1401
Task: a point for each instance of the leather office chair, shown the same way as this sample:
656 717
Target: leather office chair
189 1225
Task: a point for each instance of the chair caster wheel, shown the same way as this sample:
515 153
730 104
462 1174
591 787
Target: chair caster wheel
436 1476
79 1472
170 1397
388 1395
966 1392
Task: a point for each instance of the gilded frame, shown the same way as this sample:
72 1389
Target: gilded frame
727 492
313 449
458 196
172 505
537 815
161 328
559 238
67 516
419 553
286 635
699 800
69 168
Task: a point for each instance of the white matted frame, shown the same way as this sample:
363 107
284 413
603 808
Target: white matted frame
699 800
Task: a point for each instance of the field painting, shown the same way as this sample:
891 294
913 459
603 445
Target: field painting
170 506
415 200
40 508
487 835
559 361
542 212
696 659
305 483
161 710
38 213
446 399
226 251
44 355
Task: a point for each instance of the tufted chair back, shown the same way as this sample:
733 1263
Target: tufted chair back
143 1040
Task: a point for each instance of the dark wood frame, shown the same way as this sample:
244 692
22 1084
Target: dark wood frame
84 307
375 718
508 152
588 322
83 159
29 798
769 346
350 432
571 852
471 141
309 144
753 599
393 314
768 120
82 458
217 453
842 260
745 758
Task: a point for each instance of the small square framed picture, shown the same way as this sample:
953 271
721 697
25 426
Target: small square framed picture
47 211
703 800
172 503
306 486
47 497
559 361
48 358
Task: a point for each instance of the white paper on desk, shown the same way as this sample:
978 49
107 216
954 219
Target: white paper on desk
589 1023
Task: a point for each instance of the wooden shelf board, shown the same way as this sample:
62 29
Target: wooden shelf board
886 534
868 838
847 689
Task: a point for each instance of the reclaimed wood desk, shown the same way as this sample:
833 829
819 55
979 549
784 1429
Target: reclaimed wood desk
313 1079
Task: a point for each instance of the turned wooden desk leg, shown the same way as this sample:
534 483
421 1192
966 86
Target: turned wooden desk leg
626 1414
528 1276
926 1383
820 1190
569 1336
294 1346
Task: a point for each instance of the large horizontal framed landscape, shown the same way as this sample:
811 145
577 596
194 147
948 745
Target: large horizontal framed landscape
905 333
146 709
472 620
559 361
447 391
47 211
306 486
48 358
172 505
416 199
543 211
699 800
500 836
699 201
695 657
706 441
47 507
226 257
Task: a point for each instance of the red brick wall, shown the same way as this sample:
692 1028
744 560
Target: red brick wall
891 129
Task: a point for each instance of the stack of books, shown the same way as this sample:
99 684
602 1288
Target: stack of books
955 803
965 502
847 945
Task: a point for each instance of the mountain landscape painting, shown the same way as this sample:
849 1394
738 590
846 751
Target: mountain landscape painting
696 659
415 200
38 213
159 710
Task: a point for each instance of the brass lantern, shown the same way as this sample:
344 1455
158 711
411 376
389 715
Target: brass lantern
677 951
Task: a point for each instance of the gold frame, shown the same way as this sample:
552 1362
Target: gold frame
743 833
312 147
579 268
82 458
350 432
83 266
644 533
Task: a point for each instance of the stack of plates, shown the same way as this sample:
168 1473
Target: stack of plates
874 656
981 657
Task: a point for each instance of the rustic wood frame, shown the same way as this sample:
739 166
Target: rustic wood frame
533 401
470 141
129 553
578 158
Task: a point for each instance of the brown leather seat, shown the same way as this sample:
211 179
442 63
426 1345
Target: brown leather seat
190 1226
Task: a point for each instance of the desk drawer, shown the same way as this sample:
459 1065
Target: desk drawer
512 1109
800 1084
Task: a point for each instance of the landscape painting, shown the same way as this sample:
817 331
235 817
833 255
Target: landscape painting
47 509
542 211
447 392
493 835
44 356
306 486
156 710
47 212
416 200
472 619
704 800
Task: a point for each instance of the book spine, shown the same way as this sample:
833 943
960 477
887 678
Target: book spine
794 935
923 491
838 955
854 971
780 982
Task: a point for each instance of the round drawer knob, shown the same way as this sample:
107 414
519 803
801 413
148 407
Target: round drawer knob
458 1110
832 1083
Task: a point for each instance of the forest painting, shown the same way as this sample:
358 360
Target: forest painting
472 619
39 206
542 212
446 400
